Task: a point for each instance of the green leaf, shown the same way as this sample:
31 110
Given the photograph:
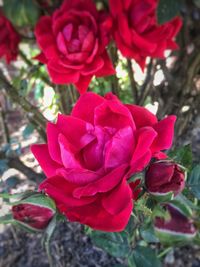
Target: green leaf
48 235
116 244
183 207
23 87
21 13
148 234
187 202
194 181
182 155
168 9
144 257
28 130
6 219
39 200
17 196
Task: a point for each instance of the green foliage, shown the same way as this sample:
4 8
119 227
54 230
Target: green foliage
148 234
167 9
194 181
182 155
29 129
21 13
143 257
116 244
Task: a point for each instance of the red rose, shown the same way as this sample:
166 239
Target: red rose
165 178
73 43
90 155
33 216
9 40
137 33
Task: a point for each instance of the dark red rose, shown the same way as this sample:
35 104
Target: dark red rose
165 178
33 216
9 40
73 43
178 228
136 30
90 155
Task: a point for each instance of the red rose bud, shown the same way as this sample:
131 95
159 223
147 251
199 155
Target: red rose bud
34 213
178 228
164 180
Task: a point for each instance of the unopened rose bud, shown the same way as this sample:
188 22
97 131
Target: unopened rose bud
35 212
177 228
164 180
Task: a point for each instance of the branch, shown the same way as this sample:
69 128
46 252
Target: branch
33 114
132 81
16 163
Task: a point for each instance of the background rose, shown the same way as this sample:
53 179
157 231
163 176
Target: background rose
73 43
163 178
9 40
90 155
137 33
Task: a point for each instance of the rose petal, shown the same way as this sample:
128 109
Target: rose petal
42 155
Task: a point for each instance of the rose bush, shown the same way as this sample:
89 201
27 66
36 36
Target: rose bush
73 43
90 155
137 33
165 178
9 40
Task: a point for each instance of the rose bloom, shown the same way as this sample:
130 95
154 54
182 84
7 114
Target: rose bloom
90 155
136 30
165 177
9 40
73 43
33 216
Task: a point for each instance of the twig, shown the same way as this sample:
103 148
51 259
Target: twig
147 85
114 79
132 81
4 126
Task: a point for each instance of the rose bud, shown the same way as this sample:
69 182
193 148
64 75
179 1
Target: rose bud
34 216
178 228
164 180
